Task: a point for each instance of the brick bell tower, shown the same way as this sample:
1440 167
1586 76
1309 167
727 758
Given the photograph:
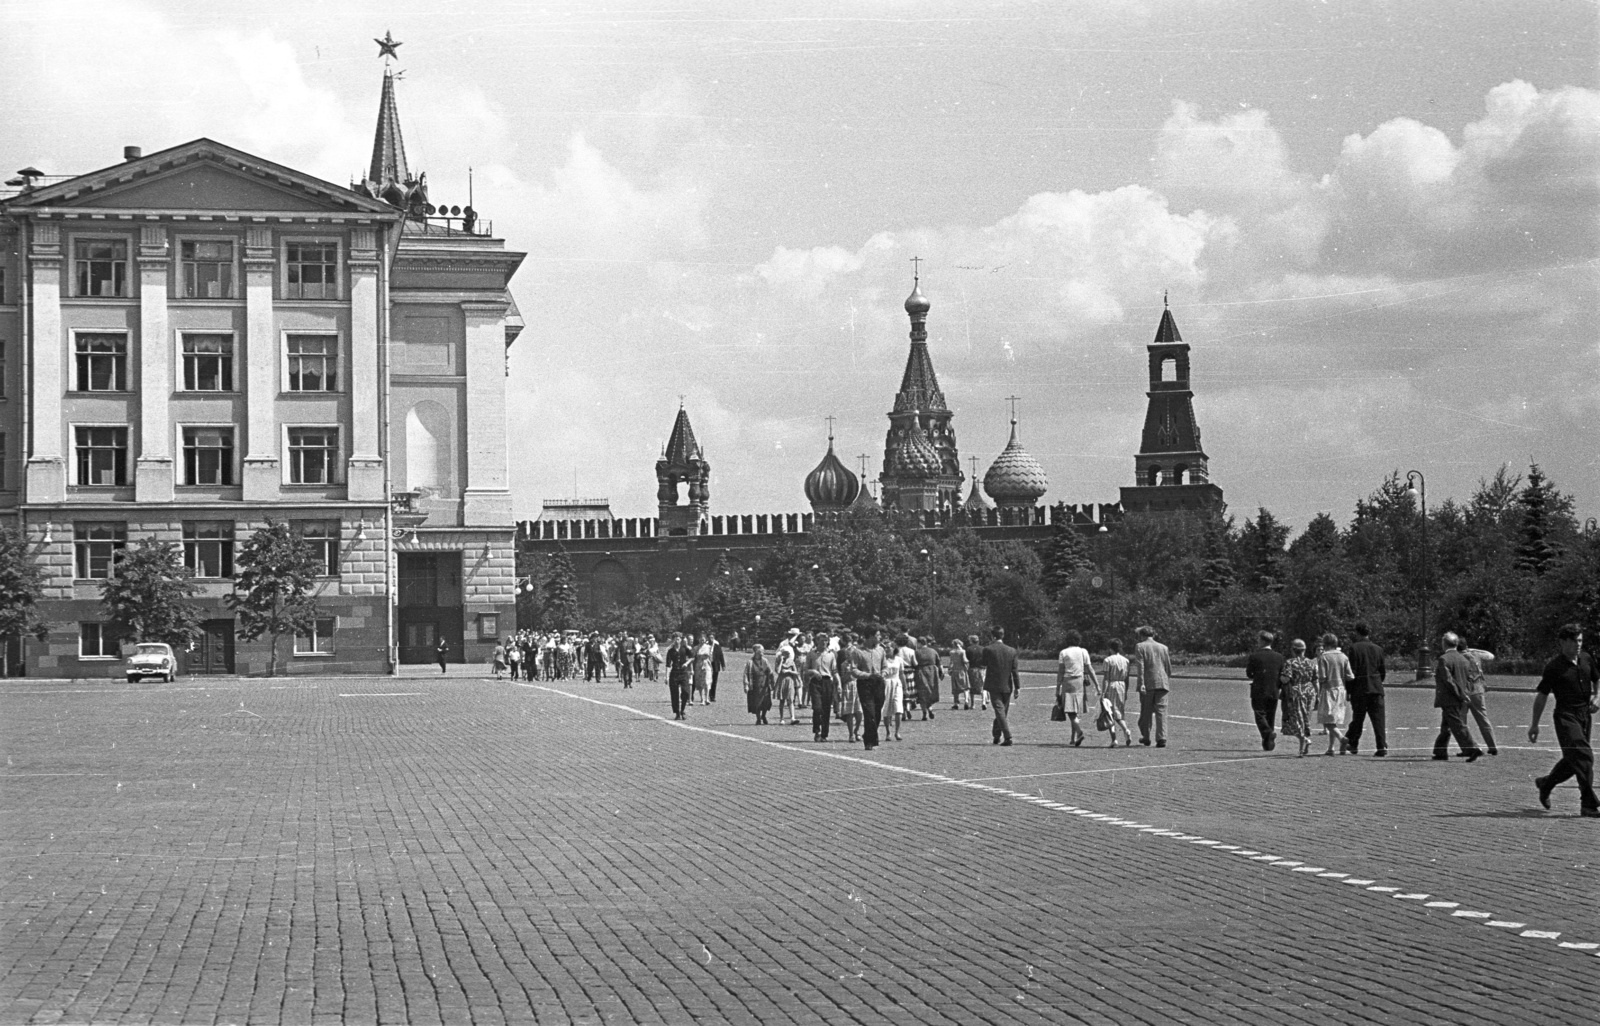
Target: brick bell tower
1171 470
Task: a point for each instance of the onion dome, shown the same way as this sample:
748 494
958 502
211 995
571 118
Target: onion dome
913 455
917 304
1015 478
976 499
831 485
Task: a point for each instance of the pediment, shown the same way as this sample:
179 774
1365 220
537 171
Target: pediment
203 176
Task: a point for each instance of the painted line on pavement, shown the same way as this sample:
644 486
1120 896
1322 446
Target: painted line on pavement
1014 776
1361 885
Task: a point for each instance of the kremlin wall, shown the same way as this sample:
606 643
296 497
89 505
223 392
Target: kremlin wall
921 481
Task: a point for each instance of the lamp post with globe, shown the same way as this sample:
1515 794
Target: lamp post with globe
1417 489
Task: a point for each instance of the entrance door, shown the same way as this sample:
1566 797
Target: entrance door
213 653
417 641
421 629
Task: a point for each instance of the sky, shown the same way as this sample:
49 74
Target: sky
1376 222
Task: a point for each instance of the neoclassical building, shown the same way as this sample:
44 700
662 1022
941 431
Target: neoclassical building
197 340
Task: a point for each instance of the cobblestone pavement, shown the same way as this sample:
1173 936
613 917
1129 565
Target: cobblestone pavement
429 849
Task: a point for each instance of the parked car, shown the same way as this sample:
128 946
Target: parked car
152 659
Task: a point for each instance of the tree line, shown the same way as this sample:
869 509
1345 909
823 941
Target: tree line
1503 568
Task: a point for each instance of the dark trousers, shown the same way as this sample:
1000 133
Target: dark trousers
1153 713
1452 724
870 690
1266 709
1001 730
821 711
1366 707
715 673
679 688
625 670
1577 758
441 662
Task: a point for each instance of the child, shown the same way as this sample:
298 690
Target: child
1114 695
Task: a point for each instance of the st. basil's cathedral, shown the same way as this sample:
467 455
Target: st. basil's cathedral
921 477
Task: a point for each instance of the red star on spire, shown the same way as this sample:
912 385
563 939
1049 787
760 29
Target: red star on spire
387 45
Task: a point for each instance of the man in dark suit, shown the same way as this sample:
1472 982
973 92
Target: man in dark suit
1265 668
1366 691
1450 698
1575 682
680 667
1000 681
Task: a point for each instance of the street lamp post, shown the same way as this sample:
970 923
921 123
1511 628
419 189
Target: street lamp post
1417 488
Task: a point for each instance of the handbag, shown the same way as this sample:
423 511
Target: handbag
1103 721
1058 712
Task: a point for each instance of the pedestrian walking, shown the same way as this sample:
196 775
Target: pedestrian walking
702 669
958 675
1477 689
680 670
758 685
822 685
849 694
1265 670
1572 677
1151 666
866 666
976 691
894 686
719 663
1001 684
1074 674
787 667
1450 698
1114 696
929 670
441 651
1298 694
1334 674
497 661
1366 692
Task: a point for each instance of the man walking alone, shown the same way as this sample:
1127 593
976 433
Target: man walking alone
1264 667
1000 682
1152 665
1571 676
1366 692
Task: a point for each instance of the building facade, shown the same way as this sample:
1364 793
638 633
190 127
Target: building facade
198 341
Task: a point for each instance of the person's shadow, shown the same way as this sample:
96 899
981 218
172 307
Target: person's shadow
1505 814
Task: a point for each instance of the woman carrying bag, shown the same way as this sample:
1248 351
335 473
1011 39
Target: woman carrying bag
1074 671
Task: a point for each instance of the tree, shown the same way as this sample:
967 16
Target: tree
147 596
1066 555
1320 593
1261 545
1541 504
21 587
560 608
273 576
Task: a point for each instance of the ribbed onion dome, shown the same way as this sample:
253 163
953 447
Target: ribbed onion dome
917 303
831 485
976 499
915 456
1015 478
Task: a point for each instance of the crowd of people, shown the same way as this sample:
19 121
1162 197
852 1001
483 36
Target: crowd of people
1332 688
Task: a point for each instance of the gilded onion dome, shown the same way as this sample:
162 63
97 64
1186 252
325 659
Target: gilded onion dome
1015 478
831 486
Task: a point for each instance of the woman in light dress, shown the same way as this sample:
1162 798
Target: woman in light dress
1074 672
894 688
1333 696
1299 688
958 674
1114 695
758 685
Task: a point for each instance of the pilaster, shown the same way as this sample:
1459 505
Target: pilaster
364 471
262 479
46 475
153 478
487 497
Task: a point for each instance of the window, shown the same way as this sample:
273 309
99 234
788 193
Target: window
2 370
313 363
313 455
207 269
208 455
208 363
94 642
102 361
317 641
311 270
102 455
102 267
323 538
95 548
208 547
2 459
